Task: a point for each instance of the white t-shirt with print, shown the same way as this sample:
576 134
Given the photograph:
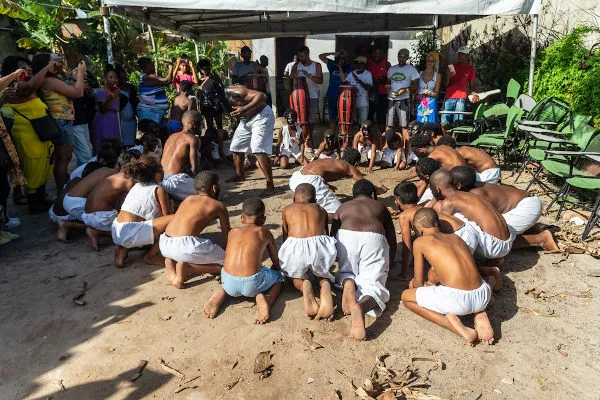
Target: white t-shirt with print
401 78
362 96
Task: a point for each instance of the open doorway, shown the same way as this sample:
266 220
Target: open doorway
361 45
285 48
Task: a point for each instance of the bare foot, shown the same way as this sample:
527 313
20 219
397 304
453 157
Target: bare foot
326 306
348 297
311 308
179 276
211 308
549 243
121 256
93 236
357 331
235 178
262 314
270 191
170 270
156 259
497 275
63 232
457 326
485 333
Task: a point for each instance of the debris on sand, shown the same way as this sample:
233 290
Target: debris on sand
141 365
186 385
77 298
390 384
533 292
263 365
310 380
166 318
64 277
231 384
62 387
535 311
168 298
170 369
307 335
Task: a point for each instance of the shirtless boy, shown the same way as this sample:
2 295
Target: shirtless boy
368 141
243 273
144 214
495 240
308 250
366 246
406 198
329 146
446 155
462 291
185 252
393 153
485 166
424 169
254 132
180 156
520 210
181 103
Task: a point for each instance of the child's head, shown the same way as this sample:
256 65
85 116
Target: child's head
253 212
207 182
414 128
305 193
90 167
107 157
364 187
351 156
192 121
329 138
148 126
114 143
420 145
185 87
128 156
291 116
447 141
426 218
150 141
426 167
432 130
369 130
464 177
405 194
392 139
144 170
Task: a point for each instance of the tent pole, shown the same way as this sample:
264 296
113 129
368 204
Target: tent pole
153 47
534 38
105 17
197 52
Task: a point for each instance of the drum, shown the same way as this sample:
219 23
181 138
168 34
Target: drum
257 82
346 107
299 99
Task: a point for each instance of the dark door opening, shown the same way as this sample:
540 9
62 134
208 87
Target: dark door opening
285 49
361 45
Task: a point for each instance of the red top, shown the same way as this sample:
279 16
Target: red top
457 87
180 78
378 70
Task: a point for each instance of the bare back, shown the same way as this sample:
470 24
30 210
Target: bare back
449 256
331 169
245 250
475 209
363 214
107 193
84 187
503 197
302 220
181 104
447 156
477 158
176 154
195 213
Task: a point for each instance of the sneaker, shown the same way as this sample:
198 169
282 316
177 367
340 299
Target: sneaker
12 223
6 237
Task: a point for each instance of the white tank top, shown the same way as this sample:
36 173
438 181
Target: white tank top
313 88
290 142
429 85
141 201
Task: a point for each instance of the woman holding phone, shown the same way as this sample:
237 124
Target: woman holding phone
106 122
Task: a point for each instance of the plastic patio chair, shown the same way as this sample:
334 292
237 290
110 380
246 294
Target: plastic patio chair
497 141
513 89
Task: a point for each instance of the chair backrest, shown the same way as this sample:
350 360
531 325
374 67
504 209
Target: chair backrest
513 90
526 102
514 114
578 130
479 111
549 109
591 167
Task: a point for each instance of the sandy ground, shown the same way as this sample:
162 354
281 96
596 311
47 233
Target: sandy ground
133 314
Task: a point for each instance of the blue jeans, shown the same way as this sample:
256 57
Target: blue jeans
453 105
79 137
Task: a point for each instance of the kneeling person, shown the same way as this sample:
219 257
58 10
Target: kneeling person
308 248
462 291
243 273
185 252
144 214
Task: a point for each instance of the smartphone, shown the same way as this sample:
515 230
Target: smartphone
114 89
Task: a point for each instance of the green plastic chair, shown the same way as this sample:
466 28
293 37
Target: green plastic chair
499 141
513 90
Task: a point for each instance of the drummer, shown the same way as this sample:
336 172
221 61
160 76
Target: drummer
241 69
312 71
363 81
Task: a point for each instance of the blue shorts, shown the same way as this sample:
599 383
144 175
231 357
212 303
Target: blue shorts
250 286
174 126
453 105
67 135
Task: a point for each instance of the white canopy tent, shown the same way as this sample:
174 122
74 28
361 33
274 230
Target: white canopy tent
253 19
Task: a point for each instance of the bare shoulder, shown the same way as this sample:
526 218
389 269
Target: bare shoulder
266 234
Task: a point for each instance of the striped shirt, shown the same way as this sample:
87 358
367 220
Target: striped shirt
152 98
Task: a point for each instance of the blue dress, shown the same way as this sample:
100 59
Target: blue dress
128 122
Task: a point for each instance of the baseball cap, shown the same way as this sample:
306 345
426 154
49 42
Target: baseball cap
360 59
404 51
463 49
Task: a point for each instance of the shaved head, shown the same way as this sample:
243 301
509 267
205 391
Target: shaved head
426 218
442 178
191 118
305 193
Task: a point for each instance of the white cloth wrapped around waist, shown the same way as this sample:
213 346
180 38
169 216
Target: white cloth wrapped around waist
132 234
101 220
75 206
191 249
525 215
324 195
491 175
447 300
179 186
57 218
315 254
364 258
489 246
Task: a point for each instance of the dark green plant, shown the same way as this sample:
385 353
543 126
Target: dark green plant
426 41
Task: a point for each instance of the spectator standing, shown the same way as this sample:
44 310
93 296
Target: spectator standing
128 102
429 87
460 79
402 82
378 66
313 73
184 71
241 69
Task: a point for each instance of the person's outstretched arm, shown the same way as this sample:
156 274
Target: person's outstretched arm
224 222
272 248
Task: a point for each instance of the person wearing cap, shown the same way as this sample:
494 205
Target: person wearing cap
241 69
363 81
402 84
336 67
460 79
